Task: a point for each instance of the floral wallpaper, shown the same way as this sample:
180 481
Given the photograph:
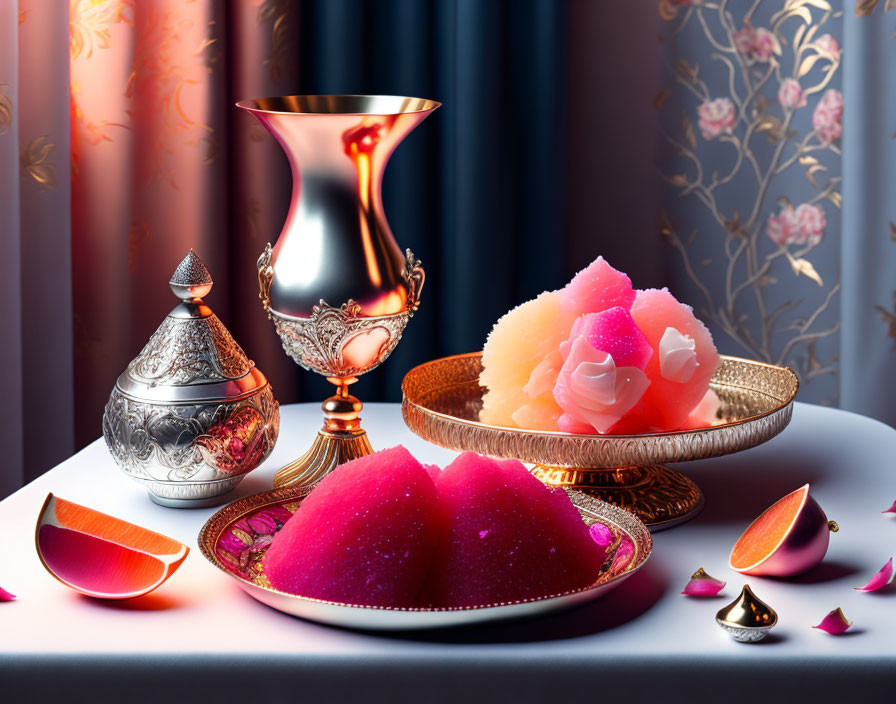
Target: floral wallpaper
753 120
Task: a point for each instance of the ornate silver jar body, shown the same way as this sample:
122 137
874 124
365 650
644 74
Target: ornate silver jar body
191 415
336 285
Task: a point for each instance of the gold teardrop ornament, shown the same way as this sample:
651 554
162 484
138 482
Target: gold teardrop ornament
747 619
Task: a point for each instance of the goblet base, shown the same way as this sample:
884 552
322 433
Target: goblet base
340 440
330 449
659 496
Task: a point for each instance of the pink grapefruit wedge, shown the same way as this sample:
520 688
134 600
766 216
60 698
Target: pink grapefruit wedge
789 538
102 556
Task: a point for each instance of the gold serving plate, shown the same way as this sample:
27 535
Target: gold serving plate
441 404
236 537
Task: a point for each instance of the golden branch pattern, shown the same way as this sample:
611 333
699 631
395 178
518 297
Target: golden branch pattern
793 57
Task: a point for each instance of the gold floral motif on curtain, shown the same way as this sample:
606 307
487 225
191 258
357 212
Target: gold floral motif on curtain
5 109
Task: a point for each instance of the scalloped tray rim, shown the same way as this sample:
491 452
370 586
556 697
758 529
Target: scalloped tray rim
781 405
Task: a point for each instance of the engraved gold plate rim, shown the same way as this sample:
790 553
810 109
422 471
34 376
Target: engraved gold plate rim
622 523
440 398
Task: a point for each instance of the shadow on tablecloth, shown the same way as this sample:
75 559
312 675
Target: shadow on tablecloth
742 486
632 599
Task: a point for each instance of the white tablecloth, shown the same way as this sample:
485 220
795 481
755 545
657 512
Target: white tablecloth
199 635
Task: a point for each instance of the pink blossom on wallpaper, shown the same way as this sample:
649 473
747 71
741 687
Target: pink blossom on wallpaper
790 94
827 44
804 224
828 116
810 224
782 229
716 116
756 44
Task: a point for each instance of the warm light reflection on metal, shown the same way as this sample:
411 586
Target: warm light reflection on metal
336 244
336 286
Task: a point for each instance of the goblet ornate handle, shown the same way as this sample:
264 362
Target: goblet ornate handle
416 277
265 277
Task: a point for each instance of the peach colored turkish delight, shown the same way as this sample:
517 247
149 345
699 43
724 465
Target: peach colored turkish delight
599 357
521 361
521 357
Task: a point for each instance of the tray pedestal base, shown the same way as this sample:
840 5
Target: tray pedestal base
659 496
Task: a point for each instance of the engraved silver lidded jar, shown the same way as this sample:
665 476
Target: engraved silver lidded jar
336 285
191 414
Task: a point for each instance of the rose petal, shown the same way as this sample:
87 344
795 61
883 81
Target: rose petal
881 579
702 584
5 595
892 509
834 623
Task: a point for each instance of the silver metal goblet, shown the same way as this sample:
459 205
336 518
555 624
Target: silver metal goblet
336 248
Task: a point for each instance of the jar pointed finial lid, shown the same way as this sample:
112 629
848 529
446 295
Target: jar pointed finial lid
192 355
191 280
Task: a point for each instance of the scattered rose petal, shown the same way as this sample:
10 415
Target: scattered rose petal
881 579
892 509
834 623
702 584
5 595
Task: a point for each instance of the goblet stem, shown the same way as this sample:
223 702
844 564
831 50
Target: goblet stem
340 440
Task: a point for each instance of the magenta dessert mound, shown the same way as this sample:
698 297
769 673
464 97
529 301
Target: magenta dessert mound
508 537
599 357
386 531
364 535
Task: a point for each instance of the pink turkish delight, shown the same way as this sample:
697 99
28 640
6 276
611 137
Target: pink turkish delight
597 287
364 535
684 360
602 376
509 537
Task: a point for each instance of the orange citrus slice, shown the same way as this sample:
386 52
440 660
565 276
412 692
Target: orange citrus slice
789 538
103 556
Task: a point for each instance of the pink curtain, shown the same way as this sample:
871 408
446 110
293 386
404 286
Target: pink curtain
134 101
152 89
37 400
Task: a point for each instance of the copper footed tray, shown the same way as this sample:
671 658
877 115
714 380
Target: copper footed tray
236 537
442 399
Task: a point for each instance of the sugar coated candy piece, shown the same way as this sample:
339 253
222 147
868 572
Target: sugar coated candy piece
509 537
653 374
679 374
364 535
520 363
612 331
597 287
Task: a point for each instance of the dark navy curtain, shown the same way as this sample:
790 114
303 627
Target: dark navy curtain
478 190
